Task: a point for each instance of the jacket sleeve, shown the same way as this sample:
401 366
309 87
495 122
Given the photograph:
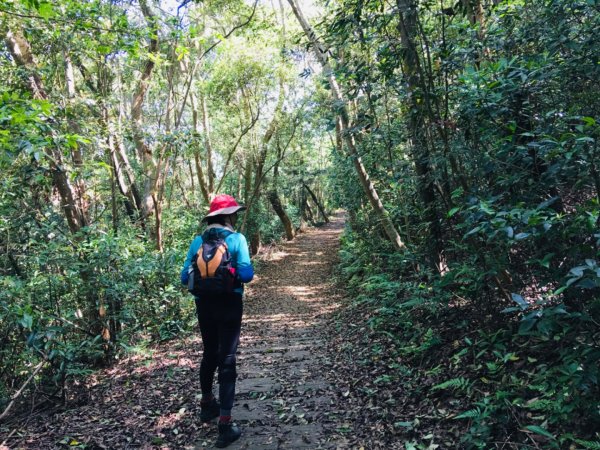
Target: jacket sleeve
244 267
194 246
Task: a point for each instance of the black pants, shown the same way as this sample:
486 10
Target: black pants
220 318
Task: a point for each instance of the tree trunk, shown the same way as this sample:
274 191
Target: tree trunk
280 211
255 242
316 200
208 146
262 156
204 188
343 117
307 212
247 180
124 176
144 152
421 155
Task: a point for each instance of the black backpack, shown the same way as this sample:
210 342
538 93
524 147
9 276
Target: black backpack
211 271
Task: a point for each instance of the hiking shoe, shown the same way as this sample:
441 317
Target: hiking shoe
210 411
228 433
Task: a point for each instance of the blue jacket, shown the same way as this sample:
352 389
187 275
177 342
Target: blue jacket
240 258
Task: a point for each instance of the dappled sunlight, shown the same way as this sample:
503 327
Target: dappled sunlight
304 291
294 287
168 420
276 256
310 263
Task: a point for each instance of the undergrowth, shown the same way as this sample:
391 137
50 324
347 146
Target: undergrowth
519 377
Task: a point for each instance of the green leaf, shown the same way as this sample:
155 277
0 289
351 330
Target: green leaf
560 290
520 301
473 231
453 211
26 321
577 271
594 445
470 414
587 283
45 10
546 261
527 325
589 120
103 49
539 430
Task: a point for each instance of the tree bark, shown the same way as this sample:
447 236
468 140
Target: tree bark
282 214
208 146
204 189
317 202
144 152
343 117
124 175
307 211
259 174
407 26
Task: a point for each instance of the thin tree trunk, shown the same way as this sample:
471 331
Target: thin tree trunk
421 155
127 189
204 188
143 150
158 224
310 217
208 146
247 180
21 389
273 197
317 202
365 181
262 157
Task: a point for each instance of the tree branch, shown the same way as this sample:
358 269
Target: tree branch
20 391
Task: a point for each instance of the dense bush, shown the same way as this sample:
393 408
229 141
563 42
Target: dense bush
510 313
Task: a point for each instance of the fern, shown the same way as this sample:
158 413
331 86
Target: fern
455 383
470 414
542 405
594 445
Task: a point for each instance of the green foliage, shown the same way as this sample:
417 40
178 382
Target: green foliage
512 118
77 292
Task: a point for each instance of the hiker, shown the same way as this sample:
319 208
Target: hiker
217 287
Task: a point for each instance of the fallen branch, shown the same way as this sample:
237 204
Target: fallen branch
7 438
20 391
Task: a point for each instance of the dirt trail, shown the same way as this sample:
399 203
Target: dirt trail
283 400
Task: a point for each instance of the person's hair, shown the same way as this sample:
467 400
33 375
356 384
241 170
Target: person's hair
219 219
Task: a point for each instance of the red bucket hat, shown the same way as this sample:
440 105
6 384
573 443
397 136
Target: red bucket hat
223 204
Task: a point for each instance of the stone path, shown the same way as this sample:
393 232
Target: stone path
283 400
